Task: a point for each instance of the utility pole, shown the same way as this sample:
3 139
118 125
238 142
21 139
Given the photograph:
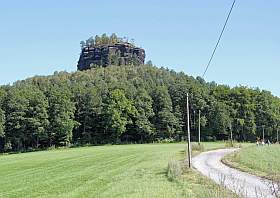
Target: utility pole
189 134
199 127
277 135
231 135
104 74
194 120
263 132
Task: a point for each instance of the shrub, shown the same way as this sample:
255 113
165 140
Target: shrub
197 147
166 140
53 147
229 144
232 144
8 146
174 170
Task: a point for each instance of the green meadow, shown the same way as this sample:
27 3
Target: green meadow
103 171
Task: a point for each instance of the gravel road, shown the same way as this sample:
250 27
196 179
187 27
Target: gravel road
244 184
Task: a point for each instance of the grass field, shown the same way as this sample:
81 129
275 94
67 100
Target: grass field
262 161
102 171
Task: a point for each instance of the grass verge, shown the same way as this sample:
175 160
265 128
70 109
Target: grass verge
263 161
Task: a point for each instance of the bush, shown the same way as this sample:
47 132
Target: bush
229 144
8 146
174 170
53 147
166 140
232 144
197 147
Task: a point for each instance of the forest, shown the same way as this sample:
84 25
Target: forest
129 104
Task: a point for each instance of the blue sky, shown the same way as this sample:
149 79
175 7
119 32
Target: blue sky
40 37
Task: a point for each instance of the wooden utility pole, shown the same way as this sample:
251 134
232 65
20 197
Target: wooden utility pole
199 127
277 135
189 134
231 135
194 120
263 132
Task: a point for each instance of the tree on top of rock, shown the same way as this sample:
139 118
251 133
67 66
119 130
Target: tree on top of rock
104 39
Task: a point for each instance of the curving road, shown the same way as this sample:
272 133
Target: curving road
244 184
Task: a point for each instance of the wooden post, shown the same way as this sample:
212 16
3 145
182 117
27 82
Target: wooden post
277 135
199 127
189 134
263 133
231 135
194 120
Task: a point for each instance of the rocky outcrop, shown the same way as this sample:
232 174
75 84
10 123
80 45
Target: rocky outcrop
105 55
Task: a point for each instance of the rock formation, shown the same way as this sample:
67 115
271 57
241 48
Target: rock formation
115 54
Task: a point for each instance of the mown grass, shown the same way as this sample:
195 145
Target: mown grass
103 171
263 161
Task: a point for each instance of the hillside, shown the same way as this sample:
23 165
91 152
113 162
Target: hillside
119 104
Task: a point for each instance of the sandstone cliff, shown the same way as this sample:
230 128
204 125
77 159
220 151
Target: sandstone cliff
116 54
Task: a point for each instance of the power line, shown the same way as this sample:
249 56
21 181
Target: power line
220 37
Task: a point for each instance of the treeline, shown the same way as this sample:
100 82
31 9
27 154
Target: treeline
128 104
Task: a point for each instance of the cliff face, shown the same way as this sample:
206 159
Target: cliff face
117 54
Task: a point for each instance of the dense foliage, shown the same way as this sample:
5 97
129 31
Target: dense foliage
105 40
128 104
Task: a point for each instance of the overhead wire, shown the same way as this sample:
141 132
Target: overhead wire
220 37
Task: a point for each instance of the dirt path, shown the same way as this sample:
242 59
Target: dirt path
244 184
